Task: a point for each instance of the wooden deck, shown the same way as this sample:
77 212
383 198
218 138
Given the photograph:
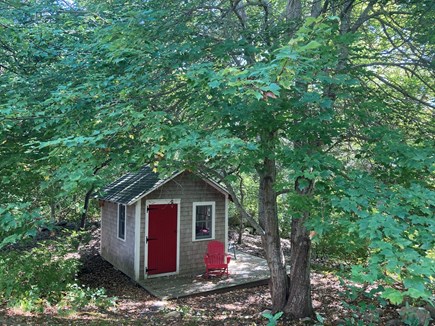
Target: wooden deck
246 270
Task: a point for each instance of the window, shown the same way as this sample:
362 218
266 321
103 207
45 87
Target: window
122 209
203 221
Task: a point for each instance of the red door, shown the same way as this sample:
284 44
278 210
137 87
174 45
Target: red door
162 239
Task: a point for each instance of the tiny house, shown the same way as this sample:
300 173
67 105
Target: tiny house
152 226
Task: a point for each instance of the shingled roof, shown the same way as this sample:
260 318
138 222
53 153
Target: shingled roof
132 186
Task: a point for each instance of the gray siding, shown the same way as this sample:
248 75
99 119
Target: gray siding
188 188
117 252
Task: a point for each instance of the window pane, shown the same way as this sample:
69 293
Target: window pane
204 221
121 221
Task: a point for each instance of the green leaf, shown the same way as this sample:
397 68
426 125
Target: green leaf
415 282
274 88
312 45
214 84
11 239
393 295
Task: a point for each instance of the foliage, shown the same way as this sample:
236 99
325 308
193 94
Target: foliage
399 223
364 305
338 98
247 191
17 223
337 244
46 276
77 297
272 318
415 316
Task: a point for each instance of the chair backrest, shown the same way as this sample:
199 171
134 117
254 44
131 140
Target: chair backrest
215 248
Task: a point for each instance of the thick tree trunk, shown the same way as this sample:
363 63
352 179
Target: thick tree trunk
271 239
345 15
299 304
316 8
293 10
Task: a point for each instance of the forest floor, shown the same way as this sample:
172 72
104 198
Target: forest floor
135 306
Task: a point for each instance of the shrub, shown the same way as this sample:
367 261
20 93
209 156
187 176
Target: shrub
45 276
339 244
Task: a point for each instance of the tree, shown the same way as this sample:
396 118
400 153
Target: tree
305 131
317 99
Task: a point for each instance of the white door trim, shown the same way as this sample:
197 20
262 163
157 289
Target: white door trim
161 202
137 232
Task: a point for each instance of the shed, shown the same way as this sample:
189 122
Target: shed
153 227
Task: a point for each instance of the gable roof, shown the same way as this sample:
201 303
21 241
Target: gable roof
131 187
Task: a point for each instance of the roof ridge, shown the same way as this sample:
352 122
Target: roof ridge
133 186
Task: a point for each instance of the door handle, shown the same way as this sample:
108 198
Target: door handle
149 239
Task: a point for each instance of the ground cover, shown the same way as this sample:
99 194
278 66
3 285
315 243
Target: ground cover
135 306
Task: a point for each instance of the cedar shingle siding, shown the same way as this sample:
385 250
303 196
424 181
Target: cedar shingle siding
187 188
117 252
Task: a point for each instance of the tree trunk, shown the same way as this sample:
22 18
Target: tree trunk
52 212
299 304
89 194
316 8
242 201
271 239
85 208
239 240
293 10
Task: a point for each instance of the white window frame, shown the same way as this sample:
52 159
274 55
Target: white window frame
118 222
213 219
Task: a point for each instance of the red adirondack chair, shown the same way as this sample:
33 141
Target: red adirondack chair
216 259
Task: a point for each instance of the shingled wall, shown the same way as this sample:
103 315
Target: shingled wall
188 188
116 251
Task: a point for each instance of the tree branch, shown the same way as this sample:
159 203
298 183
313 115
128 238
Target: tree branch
239 11
402 91
363 17
222 177
402 65
102 165
283 191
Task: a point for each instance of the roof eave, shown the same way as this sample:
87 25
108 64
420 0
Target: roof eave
139 197
212 183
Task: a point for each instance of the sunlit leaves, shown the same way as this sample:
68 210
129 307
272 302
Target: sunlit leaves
400 225
18 221
182 85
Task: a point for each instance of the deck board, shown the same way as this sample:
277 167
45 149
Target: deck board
246 270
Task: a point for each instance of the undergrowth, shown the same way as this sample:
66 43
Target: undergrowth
46 276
